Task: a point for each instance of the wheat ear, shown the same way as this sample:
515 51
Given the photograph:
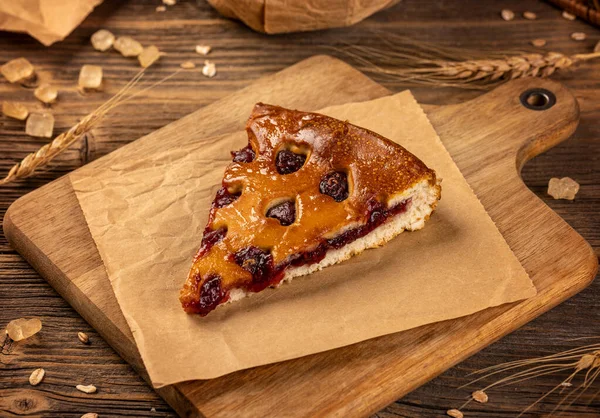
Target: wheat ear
26 167
471 74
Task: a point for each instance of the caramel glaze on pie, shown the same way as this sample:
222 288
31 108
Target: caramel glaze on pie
377 169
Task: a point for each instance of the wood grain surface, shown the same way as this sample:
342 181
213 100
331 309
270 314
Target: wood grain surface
242 57
486 138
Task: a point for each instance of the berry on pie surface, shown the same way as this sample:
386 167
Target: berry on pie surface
308 191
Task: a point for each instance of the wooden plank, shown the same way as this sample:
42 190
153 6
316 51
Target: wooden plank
487 148
242 56
80 276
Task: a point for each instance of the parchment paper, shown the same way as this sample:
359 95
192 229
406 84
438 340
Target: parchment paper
281 16
146 216
47 21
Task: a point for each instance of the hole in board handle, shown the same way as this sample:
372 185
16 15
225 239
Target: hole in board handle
538 99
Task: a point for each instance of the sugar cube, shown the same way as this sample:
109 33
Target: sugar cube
40 124
90 77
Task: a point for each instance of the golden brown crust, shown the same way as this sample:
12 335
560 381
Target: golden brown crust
376 168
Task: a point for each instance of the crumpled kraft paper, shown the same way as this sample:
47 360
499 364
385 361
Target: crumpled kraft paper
48 21
147 215
281 16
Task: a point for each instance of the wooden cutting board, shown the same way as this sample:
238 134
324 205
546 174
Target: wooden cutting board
490 138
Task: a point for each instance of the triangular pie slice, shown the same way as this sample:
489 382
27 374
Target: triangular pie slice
308 191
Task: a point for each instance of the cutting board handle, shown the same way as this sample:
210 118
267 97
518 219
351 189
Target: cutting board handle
512 123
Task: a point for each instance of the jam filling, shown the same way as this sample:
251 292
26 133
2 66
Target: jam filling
335 185
224 198
284 212
288 161
210 238
259 262
211 295
244 155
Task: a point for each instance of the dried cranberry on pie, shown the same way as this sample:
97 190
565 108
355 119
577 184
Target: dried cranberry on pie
306 192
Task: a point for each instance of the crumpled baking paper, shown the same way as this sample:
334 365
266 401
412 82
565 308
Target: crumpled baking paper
48 21
281 16
146 214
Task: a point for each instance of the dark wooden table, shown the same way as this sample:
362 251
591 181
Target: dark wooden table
242 56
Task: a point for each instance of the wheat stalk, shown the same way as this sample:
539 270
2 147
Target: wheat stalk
27 167
421 63
580 361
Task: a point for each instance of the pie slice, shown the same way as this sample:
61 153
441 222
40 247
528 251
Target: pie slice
308 191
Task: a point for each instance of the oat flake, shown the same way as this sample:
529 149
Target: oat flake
480 396
454 413
36 377
86 388
209 69
538 43
507 14
188 65
203 49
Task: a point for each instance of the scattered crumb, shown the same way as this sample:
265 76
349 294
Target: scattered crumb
566 384
454 413
507 14
188 65
203 49
149 56
578 36
161 8
568 16
565 188
102 40
529 15
480 396
153 409
538 43
90 415
86 389
169 2
14 110
209 69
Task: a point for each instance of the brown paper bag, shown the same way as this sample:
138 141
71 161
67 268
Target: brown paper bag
47 21
280 16
147 215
